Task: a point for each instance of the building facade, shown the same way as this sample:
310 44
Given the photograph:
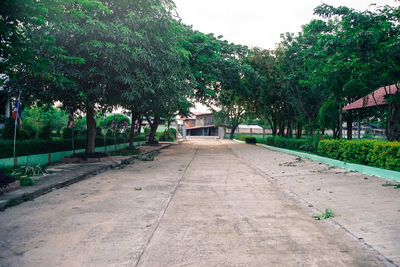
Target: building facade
200 124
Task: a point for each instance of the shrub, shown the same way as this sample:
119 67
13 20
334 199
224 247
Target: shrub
173 131
45 132
168 135
66 133
38 146
250 140
27 132
242 137
381 154
292 143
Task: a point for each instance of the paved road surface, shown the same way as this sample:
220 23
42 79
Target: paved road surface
203 203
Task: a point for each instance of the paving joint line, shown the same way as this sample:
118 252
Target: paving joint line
385 260
166 208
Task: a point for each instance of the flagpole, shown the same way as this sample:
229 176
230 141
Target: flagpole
115 143
15 140
73 142
105 134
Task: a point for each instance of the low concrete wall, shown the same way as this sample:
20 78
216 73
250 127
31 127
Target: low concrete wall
47 158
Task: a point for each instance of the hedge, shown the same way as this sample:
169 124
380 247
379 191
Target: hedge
243 138
381 154
307 144
39 146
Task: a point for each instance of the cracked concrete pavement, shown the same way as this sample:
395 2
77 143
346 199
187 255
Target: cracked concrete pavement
202 203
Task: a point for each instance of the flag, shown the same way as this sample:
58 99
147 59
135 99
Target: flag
114 124
71 121
16 114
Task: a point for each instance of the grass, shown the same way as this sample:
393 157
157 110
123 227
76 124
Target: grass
328 214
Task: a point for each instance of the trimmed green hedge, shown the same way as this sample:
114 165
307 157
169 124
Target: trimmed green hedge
39 146
250 140
307 144
381 154
241 137
375 153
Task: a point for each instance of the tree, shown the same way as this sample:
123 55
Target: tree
120 122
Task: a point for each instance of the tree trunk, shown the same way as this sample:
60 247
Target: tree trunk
153 128
393 132
340 123
132 133
299 130
232 133
350 125
91 128
140 121
310 127
289 132
281 128
274 127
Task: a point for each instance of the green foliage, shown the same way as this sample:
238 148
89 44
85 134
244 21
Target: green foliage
45 132
328 117
381 154
26 181
29 170
168 135
173 131
328 214
66 133
120 120
250 140
38 146
307 144
241 137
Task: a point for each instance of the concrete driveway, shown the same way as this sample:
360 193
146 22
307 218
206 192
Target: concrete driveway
203 203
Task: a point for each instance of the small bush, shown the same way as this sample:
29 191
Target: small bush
45 132
168 135
250 140
26 181
292 143
66 133
29 170
381 154
173 131
242 137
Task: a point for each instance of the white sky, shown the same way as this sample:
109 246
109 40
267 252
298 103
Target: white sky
257 22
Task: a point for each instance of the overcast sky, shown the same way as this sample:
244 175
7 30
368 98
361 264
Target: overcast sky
257 22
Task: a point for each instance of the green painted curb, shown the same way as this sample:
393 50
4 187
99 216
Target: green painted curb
382 173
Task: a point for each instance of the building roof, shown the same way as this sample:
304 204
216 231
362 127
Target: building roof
200 127
194 114
376 98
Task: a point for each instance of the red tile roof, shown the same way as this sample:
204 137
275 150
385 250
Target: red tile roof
376 98
199 127
194 114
